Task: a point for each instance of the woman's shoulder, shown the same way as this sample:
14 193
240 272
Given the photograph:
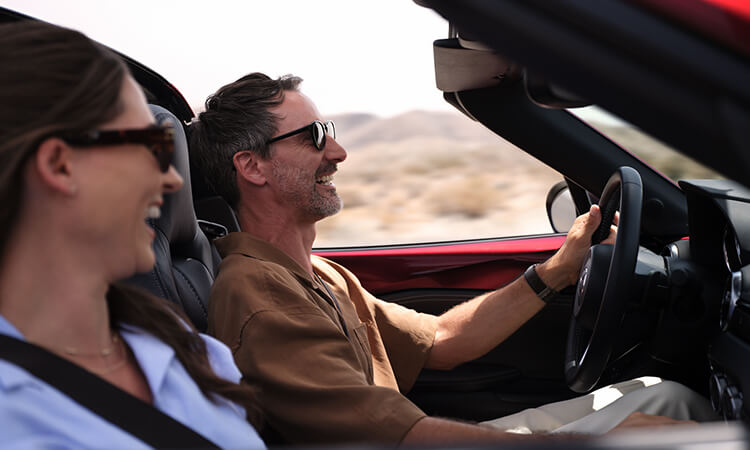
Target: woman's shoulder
221 359
219 355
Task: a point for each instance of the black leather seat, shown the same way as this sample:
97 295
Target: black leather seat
211 208
186 263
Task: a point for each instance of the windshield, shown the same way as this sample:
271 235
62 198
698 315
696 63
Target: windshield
653 152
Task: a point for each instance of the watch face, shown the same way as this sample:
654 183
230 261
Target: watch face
541 290
533 279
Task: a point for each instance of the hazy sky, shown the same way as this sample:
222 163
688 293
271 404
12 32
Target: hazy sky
373 56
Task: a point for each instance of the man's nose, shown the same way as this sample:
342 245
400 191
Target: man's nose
334 151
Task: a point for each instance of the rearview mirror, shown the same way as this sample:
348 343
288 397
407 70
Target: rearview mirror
546 94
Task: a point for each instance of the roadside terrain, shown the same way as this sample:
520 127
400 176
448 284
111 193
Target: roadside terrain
434 176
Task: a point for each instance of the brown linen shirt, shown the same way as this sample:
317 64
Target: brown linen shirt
316 384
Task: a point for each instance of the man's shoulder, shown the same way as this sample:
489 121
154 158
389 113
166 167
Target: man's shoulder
331 269
239 270
260 285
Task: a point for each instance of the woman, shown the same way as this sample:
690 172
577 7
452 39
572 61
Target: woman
73 204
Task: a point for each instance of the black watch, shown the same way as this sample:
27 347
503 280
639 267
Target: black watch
544 292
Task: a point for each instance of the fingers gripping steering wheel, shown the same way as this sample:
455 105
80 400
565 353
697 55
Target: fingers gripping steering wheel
602 290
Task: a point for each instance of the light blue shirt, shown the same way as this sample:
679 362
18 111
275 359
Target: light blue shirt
35 415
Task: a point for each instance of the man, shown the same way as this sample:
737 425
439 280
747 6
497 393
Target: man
327 357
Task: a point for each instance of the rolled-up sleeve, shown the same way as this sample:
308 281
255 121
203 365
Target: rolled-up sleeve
312 384
408 337
404 334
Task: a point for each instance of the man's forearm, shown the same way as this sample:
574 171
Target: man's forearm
471 329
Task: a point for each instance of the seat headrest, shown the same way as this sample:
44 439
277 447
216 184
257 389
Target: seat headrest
178 219
209 206
186 263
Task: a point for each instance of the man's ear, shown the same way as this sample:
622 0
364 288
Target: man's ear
250 167
53 163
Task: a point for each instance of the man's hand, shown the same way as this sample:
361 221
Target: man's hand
639 419
562 269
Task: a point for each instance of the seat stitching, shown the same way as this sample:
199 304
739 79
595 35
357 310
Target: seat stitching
192 288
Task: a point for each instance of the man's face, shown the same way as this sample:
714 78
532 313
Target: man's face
302 175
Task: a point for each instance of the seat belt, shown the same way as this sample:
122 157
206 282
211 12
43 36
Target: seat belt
111 403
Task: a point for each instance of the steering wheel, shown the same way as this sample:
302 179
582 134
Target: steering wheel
604 281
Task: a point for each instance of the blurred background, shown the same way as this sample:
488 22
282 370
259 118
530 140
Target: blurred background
417 170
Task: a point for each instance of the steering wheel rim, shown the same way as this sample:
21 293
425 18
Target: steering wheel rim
602 292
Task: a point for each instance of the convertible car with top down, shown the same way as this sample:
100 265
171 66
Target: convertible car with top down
671 298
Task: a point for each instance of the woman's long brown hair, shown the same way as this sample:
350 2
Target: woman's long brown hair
168 323
56 80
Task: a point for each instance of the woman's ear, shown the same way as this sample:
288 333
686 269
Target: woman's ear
250 167
53 163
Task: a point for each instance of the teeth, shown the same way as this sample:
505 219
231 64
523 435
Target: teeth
153 212
324 180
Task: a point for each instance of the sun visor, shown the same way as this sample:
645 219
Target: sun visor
460 67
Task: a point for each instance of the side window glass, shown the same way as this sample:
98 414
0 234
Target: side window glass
653 152
432 176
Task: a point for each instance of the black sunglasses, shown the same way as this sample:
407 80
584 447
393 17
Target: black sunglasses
159 138
318 132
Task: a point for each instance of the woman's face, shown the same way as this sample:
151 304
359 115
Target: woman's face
120 187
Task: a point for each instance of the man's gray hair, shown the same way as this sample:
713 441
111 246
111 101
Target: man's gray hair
236 118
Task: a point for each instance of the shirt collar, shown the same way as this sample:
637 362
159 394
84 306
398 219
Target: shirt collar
246 244
154 356
12 375
7 328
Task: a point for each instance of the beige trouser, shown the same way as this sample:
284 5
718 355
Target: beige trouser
601 410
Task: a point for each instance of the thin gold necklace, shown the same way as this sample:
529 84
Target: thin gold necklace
105 352
118 348
111 368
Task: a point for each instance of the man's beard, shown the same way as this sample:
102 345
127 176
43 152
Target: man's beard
299 189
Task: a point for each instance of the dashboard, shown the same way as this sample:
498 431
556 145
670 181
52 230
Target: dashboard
717 260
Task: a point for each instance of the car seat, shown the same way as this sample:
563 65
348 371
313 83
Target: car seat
210 208
186 262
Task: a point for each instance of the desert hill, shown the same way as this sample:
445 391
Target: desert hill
433 176
360 130
425 176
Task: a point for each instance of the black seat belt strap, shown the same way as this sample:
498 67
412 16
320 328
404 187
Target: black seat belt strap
114 405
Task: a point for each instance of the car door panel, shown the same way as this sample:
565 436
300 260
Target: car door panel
524 371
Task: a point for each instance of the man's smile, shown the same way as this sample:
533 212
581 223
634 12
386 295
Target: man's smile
326 180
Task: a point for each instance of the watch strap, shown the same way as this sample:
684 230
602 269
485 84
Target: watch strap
544 292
